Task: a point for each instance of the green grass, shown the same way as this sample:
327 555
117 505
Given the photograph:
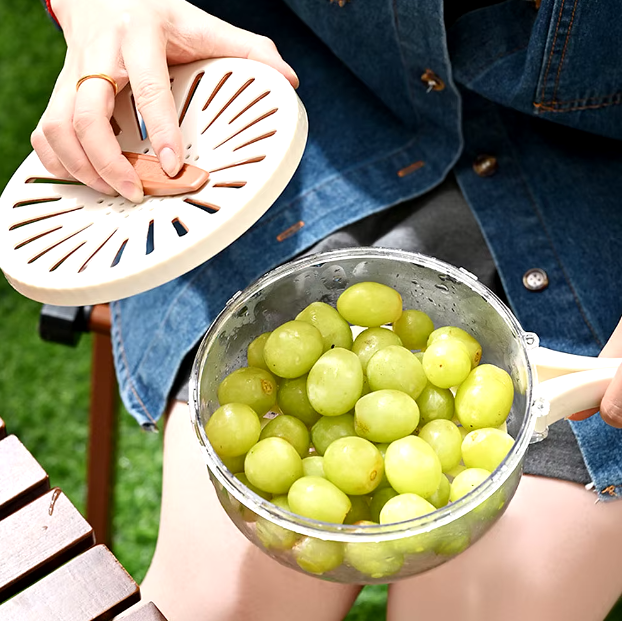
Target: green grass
44 388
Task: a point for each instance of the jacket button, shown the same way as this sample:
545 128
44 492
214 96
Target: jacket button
485 165
432 81
535 279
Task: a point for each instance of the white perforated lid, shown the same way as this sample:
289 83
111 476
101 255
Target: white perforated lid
67 244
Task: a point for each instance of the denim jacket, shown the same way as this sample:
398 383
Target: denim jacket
522 102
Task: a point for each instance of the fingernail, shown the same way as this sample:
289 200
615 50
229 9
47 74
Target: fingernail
169 162
295 77
132 192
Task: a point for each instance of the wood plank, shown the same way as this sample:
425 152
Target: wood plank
142 612
102 433
22 479
38 539
91 587
2 429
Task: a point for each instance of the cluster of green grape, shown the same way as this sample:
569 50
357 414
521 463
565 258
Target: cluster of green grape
377 429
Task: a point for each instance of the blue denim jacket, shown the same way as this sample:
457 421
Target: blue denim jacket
538 89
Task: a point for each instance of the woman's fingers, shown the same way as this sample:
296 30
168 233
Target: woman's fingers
94 104
57 127
46 154
611 405
135 41
145 60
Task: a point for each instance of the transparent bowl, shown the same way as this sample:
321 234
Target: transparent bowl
372 553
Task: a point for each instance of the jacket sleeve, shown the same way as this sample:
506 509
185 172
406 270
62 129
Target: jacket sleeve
48 7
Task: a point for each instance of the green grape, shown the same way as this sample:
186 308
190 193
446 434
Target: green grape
253 386
233 429
370 304
466 482
234 464
293 401
378 500
413 467
453 543
333 327
313 466
451 332
366 389
244 479
396 368
293 348
374 559
384 482
446 440
486 448
331 428
435 403
369 341
254 353
404 507
335 382
354 465
441 496
317 556
275 537
454 472
491 507
446 362
290 429
414 327
359 510
419 356
485 398
318 499
385 415
273 465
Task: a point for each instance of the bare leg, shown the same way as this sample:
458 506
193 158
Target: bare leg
555 554
204 568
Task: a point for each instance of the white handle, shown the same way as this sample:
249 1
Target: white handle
571 393
550 363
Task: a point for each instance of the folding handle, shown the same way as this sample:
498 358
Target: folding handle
550 363
571 393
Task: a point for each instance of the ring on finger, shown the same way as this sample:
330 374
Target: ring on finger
101 76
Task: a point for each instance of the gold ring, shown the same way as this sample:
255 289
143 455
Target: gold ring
102 76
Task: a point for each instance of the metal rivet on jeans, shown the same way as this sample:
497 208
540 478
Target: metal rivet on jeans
432 81
485 165
535 279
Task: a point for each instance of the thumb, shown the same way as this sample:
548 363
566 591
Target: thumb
215 38
611 405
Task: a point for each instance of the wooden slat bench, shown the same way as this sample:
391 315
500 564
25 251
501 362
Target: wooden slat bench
50 568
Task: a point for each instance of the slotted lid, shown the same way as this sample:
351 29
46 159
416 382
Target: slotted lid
244 131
